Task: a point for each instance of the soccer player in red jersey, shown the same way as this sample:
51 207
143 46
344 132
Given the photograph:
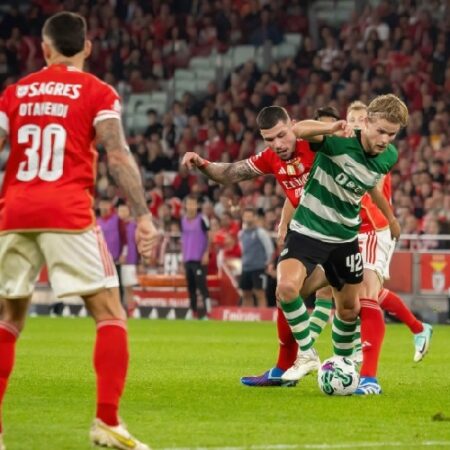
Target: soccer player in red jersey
290 161
51 119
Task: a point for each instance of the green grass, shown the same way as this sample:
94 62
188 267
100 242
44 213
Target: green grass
183 390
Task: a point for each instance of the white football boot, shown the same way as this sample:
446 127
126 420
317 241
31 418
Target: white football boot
422 342
114 437
305 363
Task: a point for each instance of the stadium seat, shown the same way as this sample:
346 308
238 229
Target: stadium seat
184 74
206 74
242 54
284 50
294 38
200 62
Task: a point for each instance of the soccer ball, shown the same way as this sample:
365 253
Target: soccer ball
338 376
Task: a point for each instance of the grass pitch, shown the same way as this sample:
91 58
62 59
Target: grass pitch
183 391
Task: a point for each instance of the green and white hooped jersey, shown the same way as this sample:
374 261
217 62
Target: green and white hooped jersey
341 174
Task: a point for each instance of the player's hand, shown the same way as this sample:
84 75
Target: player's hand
281 233
191 159
341 128
394 226
147 236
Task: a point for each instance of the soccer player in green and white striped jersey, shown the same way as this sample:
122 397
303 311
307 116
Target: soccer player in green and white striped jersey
326 223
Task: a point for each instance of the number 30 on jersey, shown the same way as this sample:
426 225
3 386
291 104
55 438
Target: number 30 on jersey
46 164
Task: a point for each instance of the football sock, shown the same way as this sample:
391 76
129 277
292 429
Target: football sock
372 334
298 319
111 364
393 304
288 349
8 337
320 316
357 337
342 335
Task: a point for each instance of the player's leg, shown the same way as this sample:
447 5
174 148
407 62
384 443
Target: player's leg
129 280
322 312
372 333
393 304
189 269
79 264
259 287
344 270
202 285
12 322
345 318
21 262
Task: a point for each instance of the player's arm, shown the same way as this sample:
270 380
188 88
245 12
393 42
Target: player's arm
121 164
315 130
384 206
223 173
123 169
286 216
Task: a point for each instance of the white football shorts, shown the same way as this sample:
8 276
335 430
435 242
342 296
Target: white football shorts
128 273
77 263
377 248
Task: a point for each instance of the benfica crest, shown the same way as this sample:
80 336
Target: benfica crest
295 167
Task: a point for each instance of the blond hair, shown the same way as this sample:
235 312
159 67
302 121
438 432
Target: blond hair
390 108
357 105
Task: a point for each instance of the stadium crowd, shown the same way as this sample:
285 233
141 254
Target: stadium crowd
400 47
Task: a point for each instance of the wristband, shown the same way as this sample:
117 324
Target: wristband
204 163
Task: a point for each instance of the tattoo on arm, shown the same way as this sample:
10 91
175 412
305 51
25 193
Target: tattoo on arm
121 165
226 173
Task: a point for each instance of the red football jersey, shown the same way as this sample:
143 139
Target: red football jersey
372 218
291 174
50 174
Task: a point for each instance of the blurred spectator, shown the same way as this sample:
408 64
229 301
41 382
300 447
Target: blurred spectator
194 239
257 250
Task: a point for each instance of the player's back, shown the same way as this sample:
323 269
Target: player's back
50 174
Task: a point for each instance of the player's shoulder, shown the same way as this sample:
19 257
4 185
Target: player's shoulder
265 156
102 84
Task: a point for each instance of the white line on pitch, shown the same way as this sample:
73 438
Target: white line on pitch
323 446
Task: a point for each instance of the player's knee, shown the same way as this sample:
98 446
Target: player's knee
287 290
348 313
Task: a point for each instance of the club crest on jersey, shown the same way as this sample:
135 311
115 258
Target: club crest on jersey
290 169
22 91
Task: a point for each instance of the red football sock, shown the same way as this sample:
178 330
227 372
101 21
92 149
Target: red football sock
111 364
8 337
287 352
372 334
394 305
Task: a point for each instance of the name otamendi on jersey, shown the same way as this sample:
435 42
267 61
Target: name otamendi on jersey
341 174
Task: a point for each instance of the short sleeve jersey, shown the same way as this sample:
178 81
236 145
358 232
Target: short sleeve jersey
50 174
291 174
342 173
372 219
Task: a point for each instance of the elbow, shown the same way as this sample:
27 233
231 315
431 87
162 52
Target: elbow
117 159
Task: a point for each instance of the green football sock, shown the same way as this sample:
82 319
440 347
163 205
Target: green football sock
319 317
342 336
298 319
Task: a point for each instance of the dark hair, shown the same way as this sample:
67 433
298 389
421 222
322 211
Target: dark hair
326 111
269 116
67 31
